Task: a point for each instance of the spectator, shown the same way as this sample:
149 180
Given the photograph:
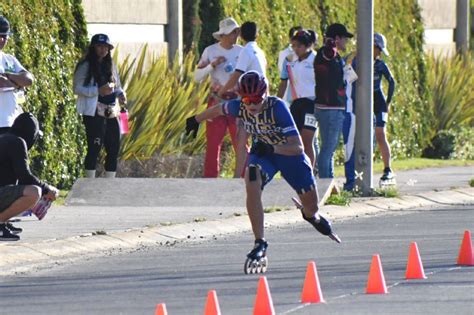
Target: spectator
250 58
97 85
287 54
219 61
330 95
13 77
20 190
300 76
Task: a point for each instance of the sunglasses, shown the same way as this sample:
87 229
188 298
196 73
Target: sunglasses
4 36
252 100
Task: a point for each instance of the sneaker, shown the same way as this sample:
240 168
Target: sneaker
15 230
387 174
6 235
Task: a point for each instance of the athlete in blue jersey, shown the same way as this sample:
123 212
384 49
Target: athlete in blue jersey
381 110
276 147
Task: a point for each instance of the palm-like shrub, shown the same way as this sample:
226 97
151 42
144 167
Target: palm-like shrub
160 98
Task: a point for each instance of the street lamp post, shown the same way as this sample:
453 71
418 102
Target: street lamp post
364 96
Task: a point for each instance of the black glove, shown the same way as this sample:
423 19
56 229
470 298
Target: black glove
262 149
192 126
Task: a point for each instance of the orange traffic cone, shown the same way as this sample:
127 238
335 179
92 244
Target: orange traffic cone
311 288
414 265
466 255
376 283
263 302
212 304
161 309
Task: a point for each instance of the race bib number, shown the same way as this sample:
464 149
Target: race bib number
310 121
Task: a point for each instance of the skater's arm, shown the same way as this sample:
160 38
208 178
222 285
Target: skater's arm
391 83
293 146
210 113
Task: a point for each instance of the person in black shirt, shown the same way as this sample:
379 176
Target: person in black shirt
20 190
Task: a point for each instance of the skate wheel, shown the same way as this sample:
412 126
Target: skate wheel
248 266
264 265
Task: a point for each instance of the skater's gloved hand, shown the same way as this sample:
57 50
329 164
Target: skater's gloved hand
262 149
192 126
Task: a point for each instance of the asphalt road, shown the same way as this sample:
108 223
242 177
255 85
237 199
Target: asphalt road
181 275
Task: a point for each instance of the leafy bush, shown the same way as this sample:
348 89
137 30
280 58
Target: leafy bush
442 145
48 39
160 98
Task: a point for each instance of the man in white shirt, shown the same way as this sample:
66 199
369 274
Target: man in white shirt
289 55
13 76
250 58
219 61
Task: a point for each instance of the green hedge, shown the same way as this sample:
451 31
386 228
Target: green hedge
49 36
398 20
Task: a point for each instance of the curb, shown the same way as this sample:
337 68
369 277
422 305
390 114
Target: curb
25 257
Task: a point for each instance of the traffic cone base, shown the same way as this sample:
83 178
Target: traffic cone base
212 304
466 255
414 264
161 309
311 289
376 282
263 301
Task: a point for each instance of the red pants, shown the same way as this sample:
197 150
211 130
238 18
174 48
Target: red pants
215 132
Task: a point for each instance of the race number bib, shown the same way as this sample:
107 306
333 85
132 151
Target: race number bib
310 121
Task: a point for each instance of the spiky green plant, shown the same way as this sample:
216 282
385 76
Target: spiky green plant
160 98
452 97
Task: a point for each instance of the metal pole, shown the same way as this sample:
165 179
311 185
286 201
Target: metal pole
364 96
175 30
462 26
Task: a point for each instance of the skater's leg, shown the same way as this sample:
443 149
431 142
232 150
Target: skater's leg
253 185
309 200
381 137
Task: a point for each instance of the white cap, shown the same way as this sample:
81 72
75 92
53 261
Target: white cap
226 26
381 42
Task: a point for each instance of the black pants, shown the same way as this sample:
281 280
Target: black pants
102 132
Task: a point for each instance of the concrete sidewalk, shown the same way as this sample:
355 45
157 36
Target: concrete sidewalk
73 232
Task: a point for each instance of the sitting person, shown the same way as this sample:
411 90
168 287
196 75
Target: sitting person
20 190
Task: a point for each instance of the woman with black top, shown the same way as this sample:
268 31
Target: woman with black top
97 85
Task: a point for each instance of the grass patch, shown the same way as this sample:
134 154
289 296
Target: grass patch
410 164
61 200
273 209
471 182
343 198
389 192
